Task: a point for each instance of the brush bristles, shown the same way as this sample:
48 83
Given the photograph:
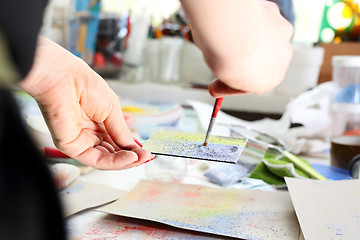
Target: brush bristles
205 144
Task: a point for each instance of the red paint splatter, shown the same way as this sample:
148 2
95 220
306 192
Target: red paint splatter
112 229
191 194
149 195
152 192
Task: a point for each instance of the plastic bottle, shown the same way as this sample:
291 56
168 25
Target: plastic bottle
346 104
345 141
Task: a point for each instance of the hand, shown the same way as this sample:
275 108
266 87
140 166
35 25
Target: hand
83 114
246 43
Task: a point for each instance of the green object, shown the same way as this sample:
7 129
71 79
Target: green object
278 164
284 168
303 165
262 172
340 21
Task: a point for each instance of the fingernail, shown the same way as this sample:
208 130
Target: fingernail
150 159
137 142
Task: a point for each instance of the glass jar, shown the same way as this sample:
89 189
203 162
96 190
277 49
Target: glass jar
345 119
345 108
346 70
166 169
169 60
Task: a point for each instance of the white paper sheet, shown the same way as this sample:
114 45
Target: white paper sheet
326 209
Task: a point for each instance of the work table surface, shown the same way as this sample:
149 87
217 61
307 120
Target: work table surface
91 224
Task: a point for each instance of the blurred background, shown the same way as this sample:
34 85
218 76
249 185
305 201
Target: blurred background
145 51
150 41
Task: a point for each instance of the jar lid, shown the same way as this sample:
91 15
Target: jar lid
346 60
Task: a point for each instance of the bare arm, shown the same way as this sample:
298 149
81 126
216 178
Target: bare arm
246 43
82 112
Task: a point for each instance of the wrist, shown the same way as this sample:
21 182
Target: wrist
52 63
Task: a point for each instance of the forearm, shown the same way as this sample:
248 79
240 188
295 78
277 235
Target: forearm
216 23
48 67
241 40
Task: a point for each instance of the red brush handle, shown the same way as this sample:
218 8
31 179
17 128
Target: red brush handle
217 106
54 153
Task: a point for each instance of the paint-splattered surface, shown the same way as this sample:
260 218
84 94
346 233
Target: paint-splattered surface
327 209
173 143
81 195
247 214
106 226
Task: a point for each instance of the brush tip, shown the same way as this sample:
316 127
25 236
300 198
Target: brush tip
205 144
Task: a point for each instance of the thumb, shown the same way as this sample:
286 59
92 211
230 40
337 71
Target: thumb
117 128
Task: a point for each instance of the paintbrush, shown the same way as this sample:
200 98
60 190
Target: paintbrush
190 145
216 109
50 152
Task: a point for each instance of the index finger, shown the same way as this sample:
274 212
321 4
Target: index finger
117 129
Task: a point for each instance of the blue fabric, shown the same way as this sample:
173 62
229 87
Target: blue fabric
286 9
332 173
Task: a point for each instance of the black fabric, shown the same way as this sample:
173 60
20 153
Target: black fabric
20 20
30 208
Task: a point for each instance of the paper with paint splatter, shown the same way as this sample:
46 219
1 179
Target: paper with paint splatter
81 195
102 226
248 214
190 145
327 209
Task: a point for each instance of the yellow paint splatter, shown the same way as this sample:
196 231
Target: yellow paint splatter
174 143
196 137
133 109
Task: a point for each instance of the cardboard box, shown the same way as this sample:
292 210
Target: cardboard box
332 49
